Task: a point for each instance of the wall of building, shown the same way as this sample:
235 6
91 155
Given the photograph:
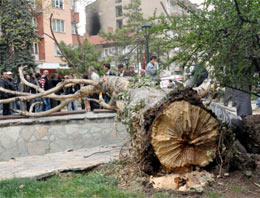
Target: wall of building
63 14
39 136
106 11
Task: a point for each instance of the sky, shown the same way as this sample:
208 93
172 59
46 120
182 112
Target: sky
81 9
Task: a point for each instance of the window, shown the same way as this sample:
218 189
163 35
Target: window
119 23
113 51
58 4
57 51
72 5
118 1
35 51
73 28
119 11
58 25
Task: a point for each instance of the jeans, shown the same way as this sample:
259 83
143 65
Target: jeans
15 105
72 106
46 104
258 102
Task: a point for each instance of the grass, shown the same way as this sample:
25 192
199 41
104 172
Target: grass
211 194
76 185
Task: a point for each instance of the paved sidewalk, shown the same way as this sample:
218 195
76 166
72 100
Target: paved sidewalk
50 164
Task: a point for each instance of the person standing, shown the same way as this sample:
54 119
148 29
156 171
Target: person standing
53 81
108 71
151 69
4 84
25 105
131 71
228 94
39 101
93 76
44 86
121 71
13 85
71 90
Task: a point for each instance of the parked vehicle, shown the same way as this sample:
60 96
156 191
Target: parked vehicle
174 77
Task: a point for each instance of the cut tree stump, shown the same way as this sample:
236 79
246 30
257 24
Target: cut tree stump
183 135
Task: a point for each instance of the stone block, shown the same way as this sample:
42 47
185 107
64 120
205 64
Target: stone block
37 147
7 142
73 129
27 132
40 133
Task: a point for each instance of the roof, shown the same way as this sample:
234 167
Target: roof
98 40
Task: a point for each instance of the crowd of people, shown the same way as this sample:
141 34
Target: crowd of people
48 81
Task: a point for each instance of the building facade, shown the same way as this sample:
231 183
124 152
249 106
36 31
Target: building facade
64 20
107 15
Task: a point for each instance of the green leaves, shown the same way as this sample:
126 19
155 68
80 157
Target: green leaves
83 57
225 32
17 36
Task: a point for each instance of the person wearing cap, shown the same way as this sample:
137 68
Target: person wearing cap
7 84
131 71
14 86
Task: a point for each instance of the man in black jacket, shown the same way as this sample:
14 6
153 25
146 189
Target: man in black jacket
5 83
53 81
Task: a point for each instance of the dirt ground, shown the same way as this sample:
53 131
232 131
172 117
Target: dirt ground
234 185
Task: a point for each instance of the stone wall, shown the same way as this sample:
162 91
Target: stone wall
38 136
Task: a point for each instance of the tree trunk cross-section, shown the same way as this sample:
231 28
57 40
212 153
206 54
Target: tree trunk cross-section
183 135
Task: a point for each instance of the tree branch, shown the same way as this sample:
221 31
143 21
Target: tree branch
240 15
62 52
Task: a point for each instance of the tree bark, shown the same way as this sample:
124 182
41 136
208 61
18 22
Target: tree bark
173 130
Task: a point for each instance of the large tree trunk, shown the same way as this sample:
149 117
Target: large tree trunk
173 130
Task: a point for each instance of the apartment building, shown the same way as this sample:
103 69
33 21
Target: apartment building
46 52
107 15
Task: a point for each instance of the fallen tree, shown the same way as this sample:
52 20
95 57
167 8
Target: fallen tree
170 130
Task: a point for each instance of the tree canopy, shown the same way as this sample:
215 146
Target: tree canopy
223 34
17 34
132 36
83 56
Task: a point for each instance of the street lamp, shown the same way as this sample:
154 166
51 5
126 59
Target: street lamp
145 27
126 60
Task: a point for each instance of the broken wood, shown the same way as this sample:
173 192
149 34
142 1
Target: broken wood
184 135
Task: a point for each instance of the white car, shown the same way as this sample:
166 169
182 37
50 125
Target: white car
165 80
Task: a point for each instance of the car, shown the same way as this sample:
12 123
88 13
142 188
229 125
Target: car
165 80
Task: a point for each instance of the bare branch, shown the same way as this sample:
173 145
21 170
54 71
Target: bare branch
48 36
45 113
62 52
33 105
103 104
165 11
28 83
34 77
14 92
